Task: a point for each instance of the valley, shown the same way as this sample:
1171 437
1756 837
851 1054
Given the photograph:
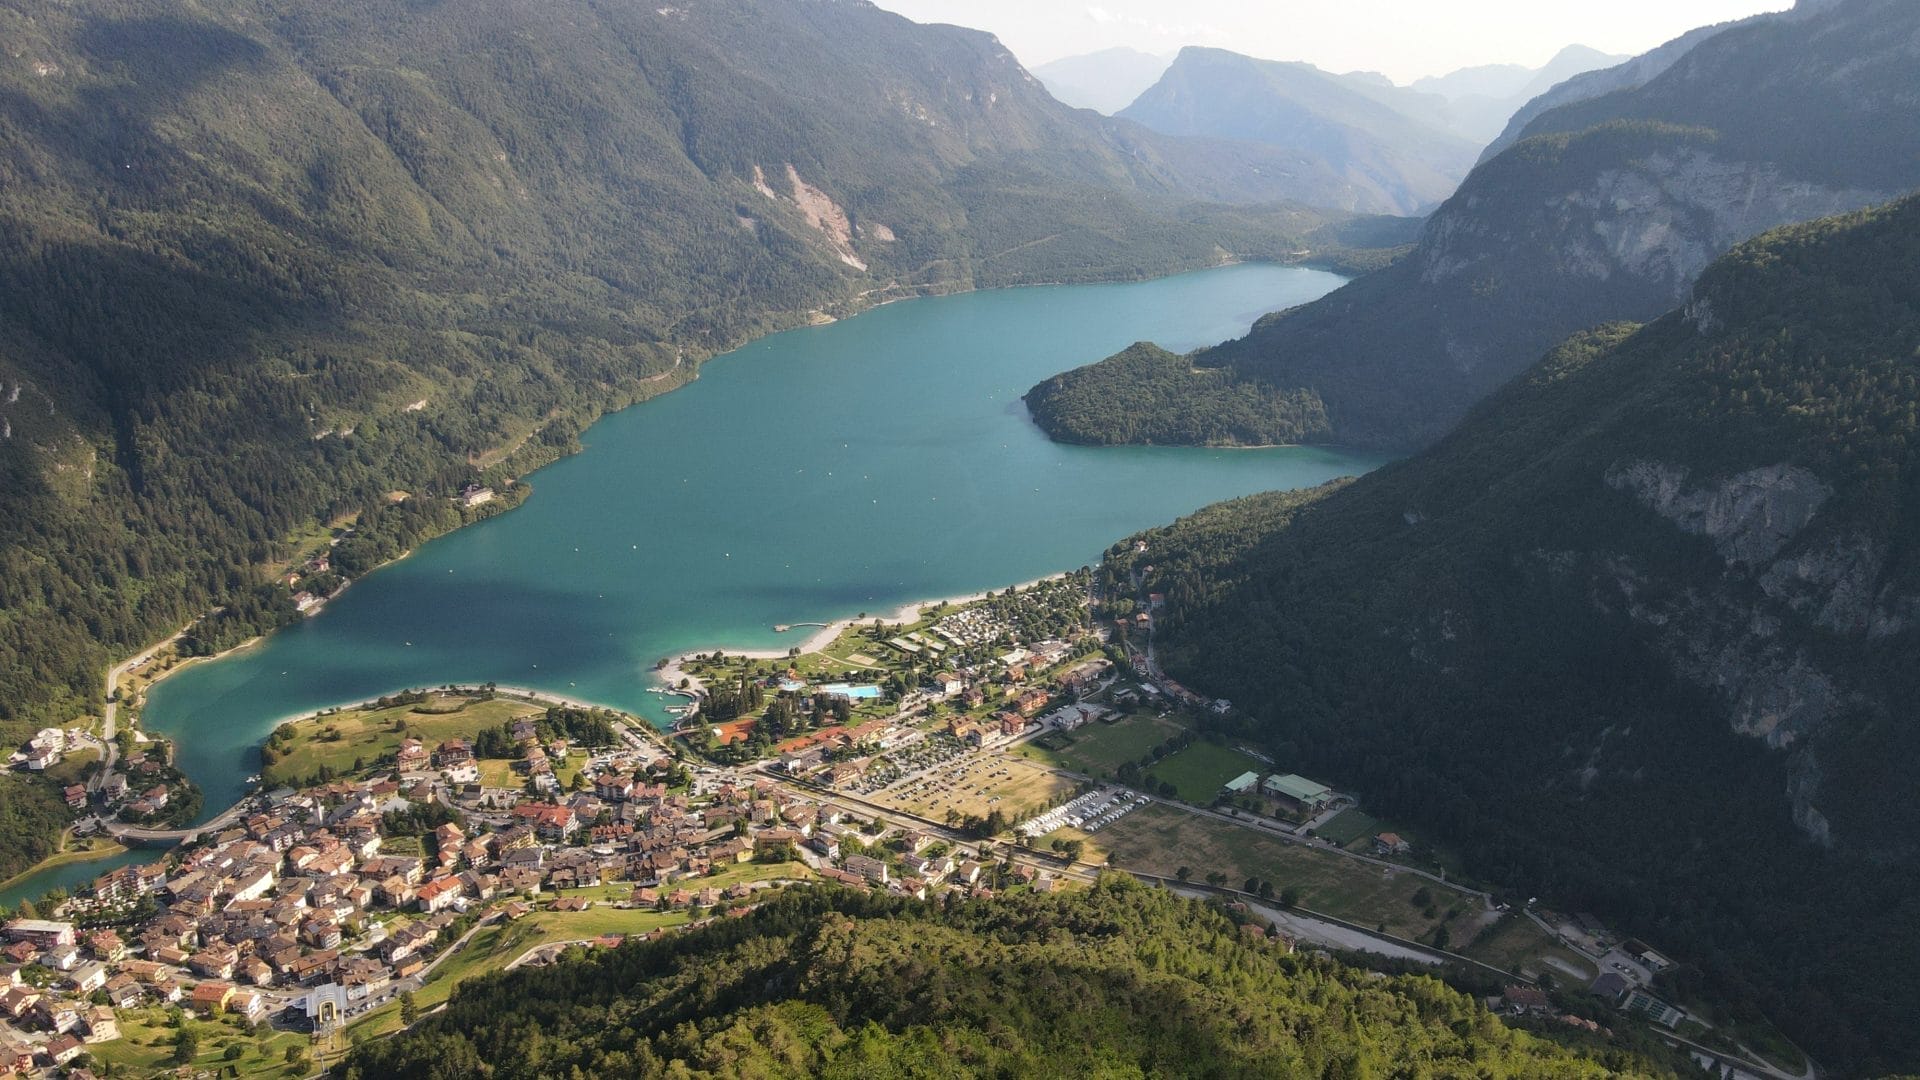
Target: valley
477 477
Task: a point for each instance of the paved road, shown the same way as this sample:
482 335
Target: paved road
110 714
135 832
1329 935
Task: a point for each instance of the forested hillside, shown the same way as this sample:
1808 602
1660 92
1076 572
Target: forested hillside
1638 636
1607 211
1119 980
266 264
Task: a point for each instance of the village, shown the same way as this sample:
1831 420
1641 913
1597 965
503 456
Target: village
1010 744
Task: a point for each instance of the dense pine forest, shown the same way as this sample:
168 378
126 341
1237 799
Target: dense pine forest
1115 981
1638 636
267 266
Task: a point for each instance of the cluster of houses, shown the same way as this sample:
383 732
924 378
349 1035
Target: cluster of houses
143 791
313 897
47 1020
833 756
306 601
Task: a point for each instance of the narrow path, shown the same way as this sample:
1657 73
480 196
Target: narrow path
110 714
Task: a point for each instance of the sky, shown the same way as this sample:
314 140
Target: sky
1404 39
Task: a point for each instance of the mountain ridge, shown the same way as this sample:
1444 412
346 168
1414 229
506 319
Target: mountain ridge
1605 212
1636 634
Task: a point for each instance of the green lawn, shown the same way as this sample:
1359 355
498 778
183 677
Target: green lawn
339 739
146 1047
1098 749
1201 770
1518 944
1348 826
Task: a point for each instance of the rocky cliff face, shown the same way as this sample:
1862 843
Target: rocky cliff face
1735 636
1656 220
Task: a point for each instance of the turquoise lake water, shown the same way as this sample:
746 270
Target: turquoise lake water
809 476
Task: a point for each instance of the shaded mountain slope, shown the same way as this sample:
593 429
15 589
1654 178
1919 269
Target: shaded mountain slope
1607 211
1638 635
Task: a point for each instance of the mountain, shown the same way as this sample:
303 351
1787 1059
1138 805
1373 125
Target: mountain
1115 980
263 263
1601 81
1606 210
1481 100
1105 81
1638 636
1373 156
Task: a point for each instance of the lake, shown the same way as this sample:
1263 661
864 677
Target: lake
811 475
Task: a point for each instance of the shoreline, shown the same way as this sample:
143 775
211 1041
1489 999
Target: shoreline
802 320
672 670
523 693
63 858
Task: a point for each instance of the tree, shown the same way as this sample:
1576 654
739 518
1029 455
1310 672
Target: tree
186 1046
1183 873
409 1009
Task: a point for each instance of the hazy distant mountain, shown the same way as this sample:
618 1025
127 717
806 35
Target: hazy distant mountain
1606 209
1480 100
1106 81
1384 159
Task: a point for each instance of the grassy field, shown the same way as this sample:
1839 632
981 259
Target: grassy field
1201 770
1098 749
500 773
146 1047
976 785
1518 944
339 739
1161 839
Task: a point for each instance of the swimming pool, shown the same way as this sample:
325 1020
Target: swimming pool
847 690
